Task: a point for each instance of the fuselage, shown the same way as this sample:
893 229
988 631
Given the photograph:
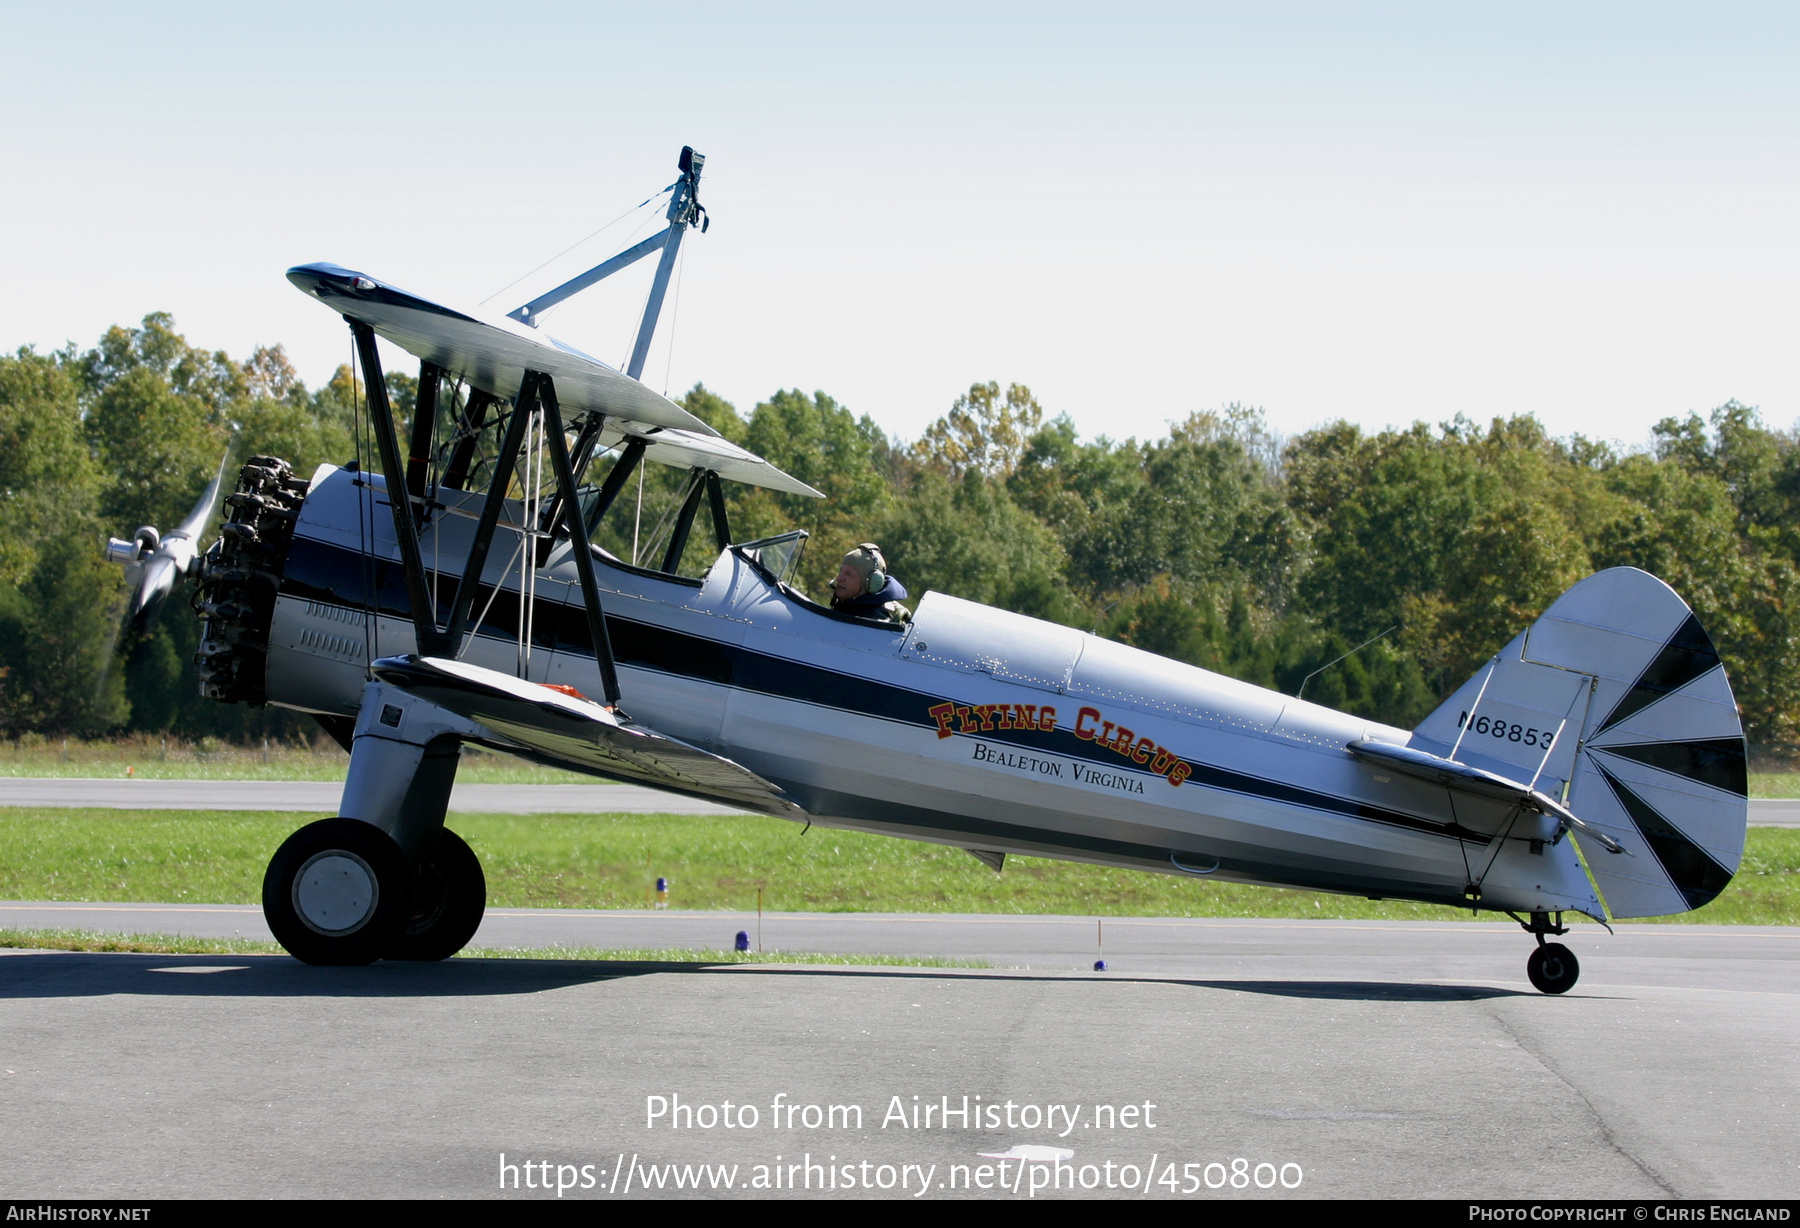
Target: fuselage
971 726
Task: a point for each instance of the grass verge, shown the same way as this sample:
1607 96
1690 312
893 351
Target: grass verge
613 861
143 944
147 758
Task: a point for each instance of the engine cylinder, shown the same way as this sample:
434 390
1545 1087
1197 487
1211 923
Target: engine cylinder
239 579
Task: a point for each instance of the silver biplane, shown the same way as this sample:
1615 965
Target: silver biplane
1596 765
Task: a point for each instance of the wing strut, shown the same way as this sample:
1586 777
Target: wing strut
538 388
578 538
585 438
467 432
615 481
406 529
490 516
684 523
715 495
418 465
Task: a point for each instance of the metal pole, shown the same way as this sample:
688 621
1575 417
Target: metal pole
559 506
684 209
575 285
652 309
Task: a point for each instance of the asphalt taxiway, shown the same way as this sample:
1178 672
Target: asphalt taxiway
1350 1059
1382 1059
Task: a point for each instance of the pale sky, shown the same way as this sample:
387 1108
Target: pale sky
1373 211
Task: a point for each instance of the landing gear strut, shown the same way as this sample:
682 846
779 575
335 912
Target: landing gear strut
1553 968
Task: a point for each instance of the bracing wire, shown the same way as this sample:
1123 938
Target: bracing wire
637 520
565 251
1469 722
642 226
469 637
526 490
674 318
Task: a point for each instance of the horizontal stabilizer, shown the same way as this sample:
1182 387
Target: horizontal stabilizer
581 733
1477 781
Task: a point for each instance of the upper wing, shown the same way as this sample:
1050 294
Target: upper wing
491 352
687 450
581 733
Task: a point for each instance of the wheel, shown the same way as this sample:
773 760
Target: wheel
336 891
1553 968
448 898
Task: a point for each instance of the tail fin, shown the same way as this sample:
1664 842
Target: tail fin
1615 701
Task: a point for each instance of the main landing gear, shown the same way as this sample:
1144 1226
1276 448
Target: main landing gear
337 891
449 896
1553 968
340 891
387 879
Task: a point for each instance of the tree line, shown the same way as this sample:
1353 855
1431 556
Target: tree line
1219 543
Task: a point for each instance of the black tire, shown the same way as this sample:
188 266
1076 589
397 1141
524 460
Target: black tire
332 871
1553 968
448 899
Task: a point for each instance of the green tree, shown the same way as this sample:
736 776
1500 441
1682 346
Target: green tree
278 418
48 481
1207 509
58 631
969 539
156 414
716 412
823 444
984 432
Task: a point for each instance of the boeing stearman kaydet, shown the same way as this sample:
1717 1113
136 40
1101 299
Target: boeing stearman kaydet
1595 765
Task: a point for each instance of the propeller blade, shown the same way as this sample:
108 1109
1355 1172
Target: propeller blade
155 581
195 524
154 572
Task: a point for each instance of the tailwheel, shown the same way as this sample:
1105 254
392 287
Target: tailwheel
336 891
1553 968
449 897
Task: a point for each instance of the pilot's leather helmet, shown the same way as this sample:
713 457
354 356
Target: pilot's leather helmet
867 562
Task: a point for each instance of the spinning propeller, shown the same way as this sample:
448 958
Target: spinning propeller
154 563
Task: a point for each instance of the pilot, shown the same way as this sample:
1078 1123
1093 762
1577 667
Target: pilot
864 588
